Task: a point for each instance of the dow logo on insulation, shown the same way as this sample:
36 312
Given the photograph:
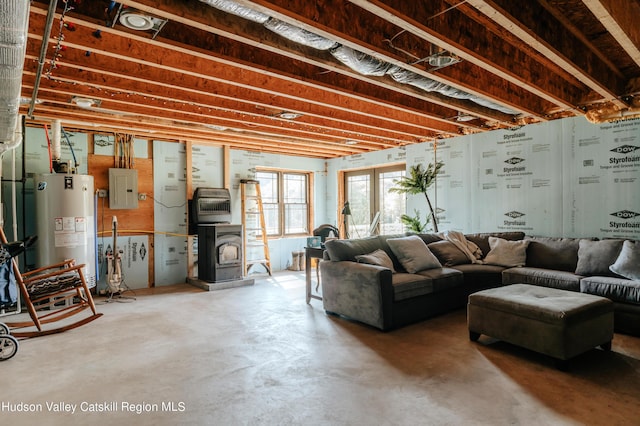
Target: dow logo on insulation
628 152
514 219
514 160
624 149
625 214
627 222
514 168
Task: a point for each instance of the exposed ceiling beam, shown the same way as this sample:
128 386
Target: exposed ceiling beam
620 18
539 29
211 76
208 19
491 56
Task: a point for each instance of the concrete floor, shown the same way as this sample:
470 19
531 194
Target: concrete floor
260 355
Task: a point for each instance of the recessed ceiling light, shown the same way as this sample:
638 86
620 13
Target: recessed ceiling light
136 21
442 60
215 127
85 102
350 142
288 115
464 117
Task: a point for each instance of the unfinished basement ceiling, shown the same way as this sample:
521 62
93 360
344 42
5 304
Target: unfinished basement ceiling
330 78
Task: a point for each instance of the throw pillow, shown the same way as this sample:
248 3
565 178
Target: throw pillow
595 257
378 257
448 254
506 253
413 254
628 262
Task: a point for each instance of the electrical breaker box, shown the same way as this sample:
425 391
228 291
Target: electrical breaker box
123 189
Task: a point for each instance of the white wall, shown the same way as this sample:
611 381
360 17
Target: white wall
562 178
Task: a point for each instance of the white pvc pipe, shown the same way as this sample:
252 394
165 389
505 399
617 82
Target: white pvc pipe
56 140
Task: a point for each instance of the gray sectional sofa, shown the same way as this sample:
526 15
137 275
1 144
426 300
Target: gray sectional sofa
388 282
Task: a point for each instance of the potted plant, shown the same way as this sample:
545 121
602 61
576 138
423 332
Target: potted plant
420 179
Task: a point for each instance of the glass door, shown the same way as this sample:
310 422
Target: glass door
373 209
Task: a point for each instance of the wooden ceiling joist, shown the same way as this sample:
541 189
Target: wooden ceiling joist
211 77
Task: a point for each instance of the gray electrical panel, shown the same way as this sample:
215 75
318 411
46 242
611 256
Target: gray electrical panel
123 189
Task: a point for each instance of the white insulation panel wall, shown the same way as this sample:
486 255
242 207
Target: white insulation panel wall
562 178
170 213
37 153
104 144
135 260
518 180
207 166
602 178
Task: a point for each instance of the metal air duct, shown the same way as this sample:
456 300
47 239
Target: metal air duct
299 35
358 61
14 19
238 10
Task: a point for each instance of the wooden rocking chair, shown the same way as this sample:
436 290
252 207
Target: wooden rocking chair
52 293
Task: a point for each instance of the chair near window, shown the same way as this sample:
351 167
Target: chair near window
323 231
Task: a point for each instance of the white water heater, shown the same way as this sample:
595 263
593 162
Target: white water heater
64 205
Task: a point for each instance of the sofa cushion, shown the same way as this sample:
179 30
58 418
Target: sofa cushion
349 249
542 277
448 254
482 239
478 276
413 253
595 257
553 253
443 278
385 246
378 257
406 286
617 289
430 238
506 253
628 262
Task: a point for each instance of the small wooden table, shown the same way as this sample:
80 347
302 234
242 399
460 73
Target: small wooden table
312 253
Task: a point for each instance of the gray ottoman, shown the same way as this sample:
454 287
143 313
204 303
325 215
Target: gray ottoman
558 323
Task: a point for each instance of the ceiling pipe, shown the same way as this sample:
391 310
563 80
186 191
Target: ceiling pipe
56 130
14 20
43 53
358 61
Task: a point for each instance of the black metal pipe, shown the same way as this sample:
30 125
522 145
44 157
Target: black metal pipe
43 53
